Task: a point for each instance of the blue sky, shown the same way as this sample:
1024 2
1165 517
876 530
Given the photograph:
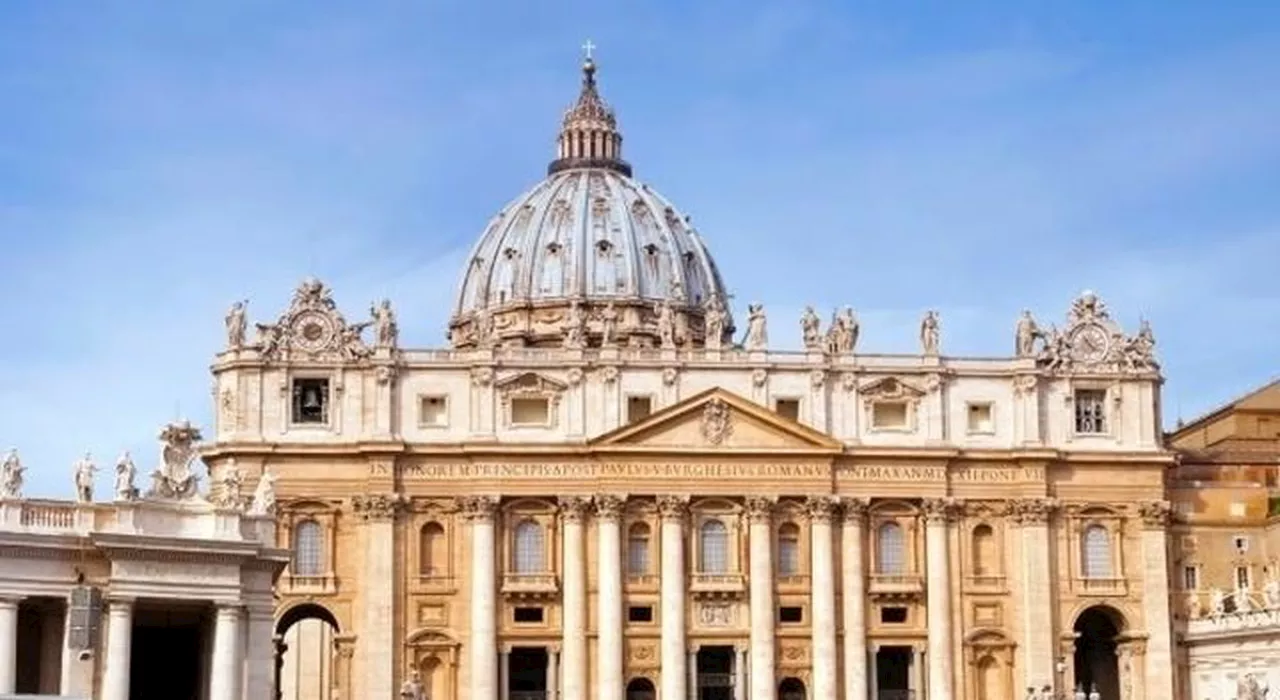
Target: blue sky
160 160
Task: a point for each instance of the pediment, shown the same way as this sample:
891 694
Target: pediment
891 389
529 383
717 420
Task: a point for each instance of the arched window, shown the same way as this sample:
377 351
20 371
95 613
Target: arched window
641 689
891 550
788 549
529 549
713 549
638 550
308 549
984 551
1097 552
433 553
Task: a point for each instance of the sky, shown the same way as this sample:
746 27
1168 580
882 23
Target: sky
160 160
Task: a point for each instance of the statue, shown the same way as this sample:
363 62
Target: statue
270 338
1217 602
11 476
174 478
1248 688
235 321
575 327
84 471
232 482
930 336
811 329
125 473
666 324
1271 593
608 326
482 329
842 337
1194 610
1027 333
412 689
757 328
1243 602
714 318
384 324
264 496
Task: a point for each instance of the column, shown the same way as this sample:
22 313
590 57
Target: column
378 593
1036 592
674 668
68 656
553 673
739 672
853 595
8 645
822 606
760 536
574 621
1155 599
609 680
226 671
115 679
483 647
938 512
693 672
504 673
259 651
870 678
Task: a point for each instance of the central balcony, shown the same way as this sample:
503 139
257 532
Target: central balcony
896 586
717 585
530 586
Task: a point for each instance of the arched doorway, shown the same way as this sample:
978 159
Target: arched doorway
641 689
305 653
1096 665
791 689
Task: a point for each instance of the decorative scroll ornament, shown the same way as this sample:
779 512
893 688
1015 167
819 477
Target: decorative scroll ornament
672 507
1033 511
609 506
1092 342
475 508
940 510
760 508
855 508
1155 514
174 478
378 506
574 508
314 328
820 508
717 423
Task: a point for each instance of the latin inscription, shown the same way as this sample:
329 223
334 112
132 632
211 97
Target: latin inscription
618 471
871 472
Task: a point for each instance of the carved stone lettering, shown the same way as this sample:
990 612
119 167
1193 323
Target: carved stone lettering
897 473
637 470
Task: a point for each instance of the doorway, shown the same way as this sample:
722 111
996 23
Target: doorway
304 656
715 673
641 689
527 673
174 638
1096 665
791 689
893 673
41 624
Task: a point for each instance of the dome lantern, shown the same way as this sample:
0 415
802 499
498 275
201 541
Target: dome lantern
589 136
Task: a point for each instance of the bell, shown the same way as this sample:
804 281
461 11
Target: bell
311 399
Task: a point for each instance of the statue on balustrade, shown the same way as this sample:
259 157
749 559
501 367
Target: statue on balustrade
1217 602
1271 593
125 474
930 333
842 336
1248 688
811 329
714 318
264 496
236 325
757 328
11 471
84 470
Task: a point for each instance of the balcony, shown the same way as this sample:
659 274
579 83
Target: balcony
717 585
642 581
1099 586
530 586
793 582
896 585
323 584
990 583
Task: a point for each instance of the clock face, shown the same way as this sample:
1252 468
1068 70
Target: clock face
1090 343
312 331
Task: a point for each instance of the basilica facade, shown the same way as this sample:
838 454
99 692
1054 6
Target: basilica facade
608 487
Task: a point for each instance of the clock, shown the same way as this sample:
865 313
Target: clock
1089 343
312 331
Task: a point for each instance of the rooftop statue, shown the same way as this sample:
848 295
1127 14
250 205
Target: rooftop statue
930 333
757 328
84 471
11 471
125 474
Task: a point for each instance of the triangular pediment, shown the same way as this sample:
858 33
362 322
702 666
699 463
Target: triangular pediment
891 388
718 420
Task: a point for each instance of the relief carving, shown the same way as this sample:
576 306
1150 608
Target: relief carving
760 508
717 423
1094 342
314 327
475 508
609 506
574 508
378 506
1155 514
821 509
673 507
715 615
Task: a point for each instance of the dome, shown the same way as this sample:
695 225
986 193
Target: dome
589 256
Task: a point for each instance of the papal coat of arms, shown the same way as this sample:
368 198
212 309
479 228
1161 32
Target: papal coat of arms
715 421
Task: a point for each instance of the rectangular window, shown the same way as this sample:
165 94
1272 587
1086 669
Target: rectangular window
530 411
1091 411
889 415
638 408
433 411
640 613
980 419
893 615
527 615
787 408
310 401
791 614
1190 578
1243 579
1241 543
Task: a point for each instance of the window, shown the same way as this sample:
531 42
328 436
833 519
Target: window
893 615
980 419
1091 411
638 550
788 549
433 553
308 549
433 411
529 548
787 408
1097 552
638 408
890 415
713 548
791 614
530 411
310 401
1243 579
984 550
891 550
1241 543
640 613
1190 578
527 615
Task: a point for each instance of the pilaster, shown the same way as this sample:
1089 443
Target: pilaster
482 652
763 642
609 646
674 654
1036 590
821 509
1155 599
853 599
573 510
938 514
377 592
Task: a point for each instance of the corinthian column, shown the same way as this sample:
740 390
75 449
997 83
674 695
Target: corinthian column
1032 516
674 684
378 591
227 671
482 653
573 510
759 512
937 513
609 681
823 593
853 596
1155 599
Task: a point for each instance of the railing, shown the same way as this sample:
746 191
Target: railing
53 516
642 579
896 583
717 583
793 581
985 581
528 583
1101 586
312 585
715 680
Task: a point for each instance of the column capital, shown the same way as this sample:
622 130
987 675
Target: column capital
821 509
8 601
760 508
1033 511
940 510
477 508
673 507
120 603
229 608
609 506
378 506
855 508
1155 514
574 508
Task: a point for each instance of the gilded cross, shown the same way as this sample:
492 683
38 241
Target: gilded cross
588 47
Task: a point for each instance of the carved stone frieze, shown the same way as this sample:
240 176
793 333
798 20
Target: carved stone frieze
1033 511
1155 514
849 381
1025 384
821 509
385 374
940 510
574 508
609 506
378 506
673 507
715 615
759 377
760 508
574 376
475 508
